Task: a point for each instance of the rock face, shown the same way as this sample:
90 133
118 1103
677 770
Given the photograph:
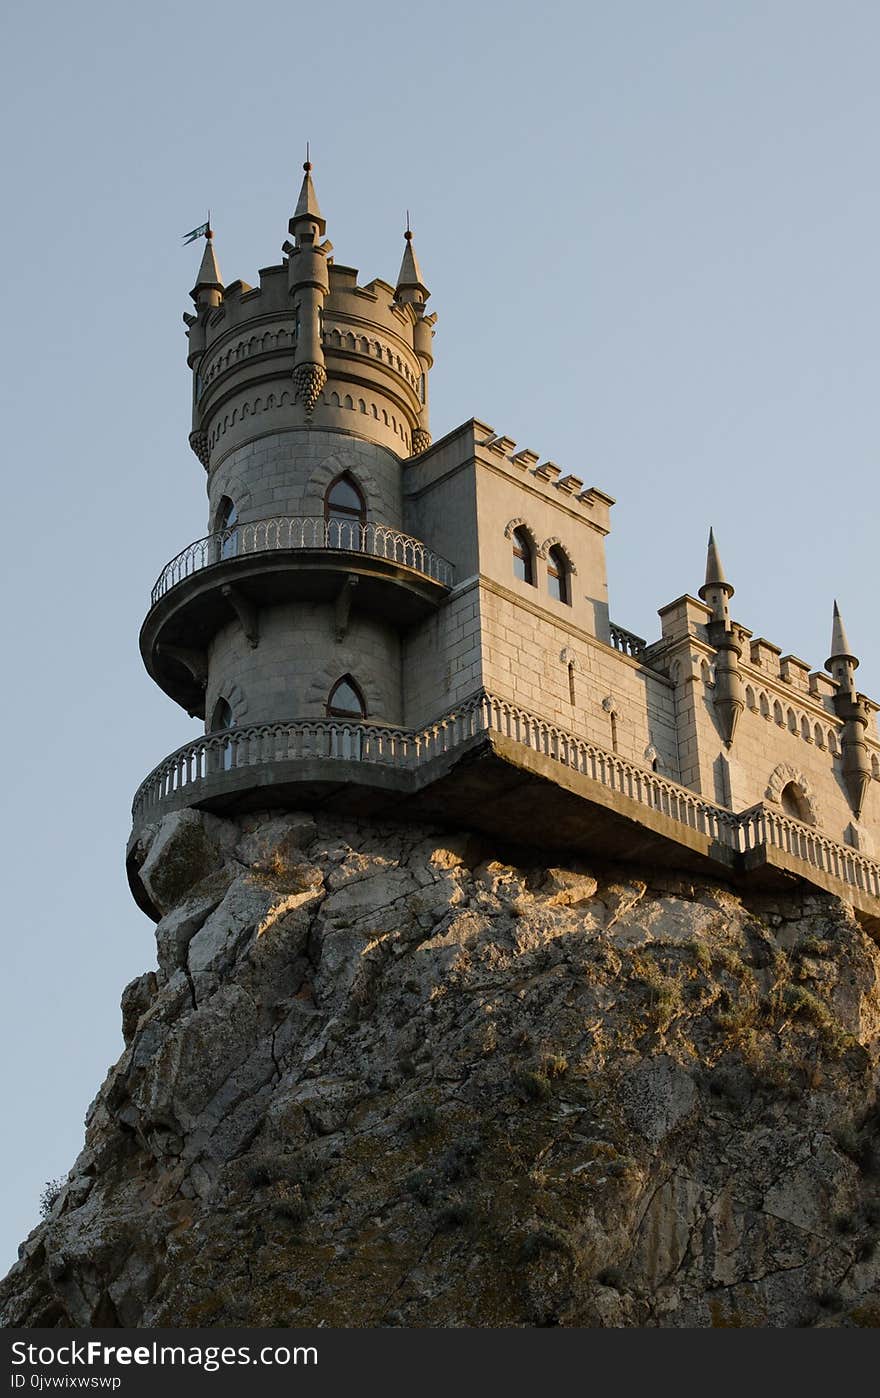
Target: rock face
384 1076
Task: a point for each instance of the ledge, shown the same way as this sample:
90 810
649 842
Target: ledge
497 768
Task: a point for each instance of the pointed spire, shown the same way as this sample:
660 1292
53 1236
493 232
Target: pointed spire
716 591
208 280
410 286
307 209
714 570
840 646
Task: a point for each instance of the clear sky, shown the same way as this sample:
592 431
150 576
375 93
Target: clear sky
651 234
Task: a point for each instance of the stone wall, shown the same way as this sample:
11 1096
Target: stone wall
525 657
287 473
290 673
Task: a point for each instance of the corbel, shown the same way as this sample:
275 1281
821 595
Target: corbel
246 612
193 660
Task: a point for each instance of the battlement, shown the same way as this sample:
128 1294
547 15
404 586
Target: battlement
475 439
776 684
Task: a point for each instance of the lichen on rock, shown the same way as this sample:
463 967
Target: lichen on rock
387 1074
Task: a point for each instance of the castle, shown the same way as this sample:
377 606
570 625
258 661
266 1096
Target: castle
381 623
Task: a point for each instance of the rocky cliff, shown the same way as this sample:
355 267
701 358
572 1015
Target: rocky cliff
389 1076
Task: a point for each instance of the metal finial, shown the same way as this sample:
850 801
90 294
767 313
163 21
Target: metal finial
408 233
209 232
307 164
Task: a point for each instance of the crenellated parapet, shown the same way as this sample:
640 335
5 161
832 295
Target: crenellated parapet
307 347
544 478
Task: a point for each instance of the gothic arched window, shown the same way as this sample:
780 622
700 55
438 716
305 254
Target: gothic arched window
523 557
558 575
345 513
346 700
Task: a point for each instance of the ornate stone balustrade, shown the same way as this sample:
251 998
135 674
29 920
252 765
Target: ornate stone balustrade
762 825
304 532
178 779
627 642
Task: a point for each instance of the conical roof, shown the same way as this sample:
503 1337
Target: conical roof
714 570
409 278
307 204
208 278
840 646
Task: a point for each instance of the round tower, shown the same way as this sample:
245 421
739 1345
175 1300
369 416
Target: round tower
308 393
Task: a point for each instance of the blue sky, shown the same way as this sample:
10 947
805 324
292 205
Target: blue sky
651 234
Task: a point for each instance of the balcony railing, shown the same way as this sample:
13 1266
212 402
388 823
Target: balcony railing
304 532
266 743
762 825
627 642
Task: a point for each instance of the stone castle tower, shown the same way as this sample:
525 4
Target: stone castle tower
380 623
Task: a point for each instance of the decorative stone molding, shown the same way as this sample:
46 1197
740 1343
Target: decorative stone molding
310 380
347 341
518 523
201 446
568 657
421 440
555 542
781 776
261 404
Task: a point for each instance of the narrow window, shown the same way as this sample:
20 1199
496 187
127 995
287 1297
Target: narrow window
227 519
522 557
558 575
221 718
345 514
571 693
795 804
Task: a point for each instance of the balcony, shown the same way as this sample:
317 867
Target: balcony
533 782
269 561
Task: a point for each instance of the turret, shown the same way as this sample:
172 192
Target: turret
207 295
208 290
852 708
308 284
411 291
727 638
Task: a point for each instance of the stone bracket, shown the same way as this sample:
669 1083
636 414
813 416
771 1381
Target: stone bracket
194 660
342 610
248 616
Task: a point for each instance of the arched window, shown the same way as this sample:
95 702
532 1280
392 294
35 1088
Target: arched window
345 512
346 700
221 718
346 703
523 561
226 520
795 804
558 575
